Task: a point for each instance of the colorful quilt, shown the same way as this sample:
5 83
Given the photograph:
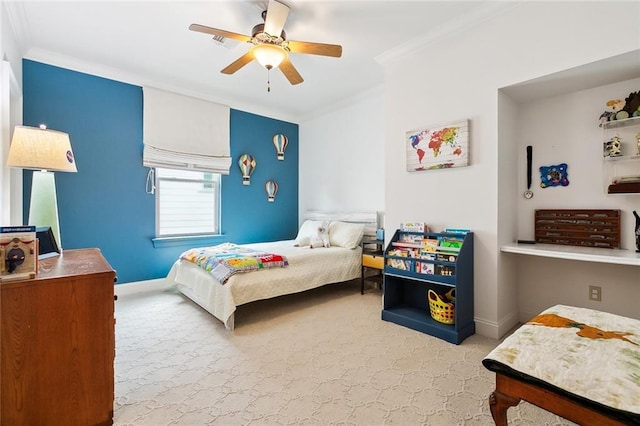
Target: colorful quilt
590 355
224 260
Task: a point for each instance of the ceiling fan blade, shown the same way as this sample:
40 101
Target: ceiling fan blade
276 17
290 72
216 32
333 50
238 63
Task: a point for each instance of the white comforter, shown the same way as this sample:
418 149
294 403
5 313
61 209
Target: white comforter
308 268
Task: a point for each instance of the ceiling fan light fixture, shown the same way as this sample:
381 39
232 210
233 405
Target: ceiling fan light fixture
269 55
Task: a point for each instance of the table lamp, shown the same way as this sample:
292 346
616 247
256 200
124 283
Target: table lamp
44 151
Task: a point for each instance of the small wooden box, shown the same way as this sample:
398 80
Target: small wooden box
583 228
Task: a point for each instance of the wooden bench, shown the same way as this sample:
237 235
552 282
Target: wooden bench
552 341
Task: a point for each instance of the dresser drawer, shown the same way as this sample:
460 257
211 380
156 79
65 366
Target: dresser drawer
373 261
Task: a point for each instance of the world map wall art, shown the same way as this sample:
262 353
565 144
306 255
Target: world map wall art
438 147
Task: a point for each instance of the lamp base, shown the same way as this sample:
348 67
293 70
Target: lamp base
43 208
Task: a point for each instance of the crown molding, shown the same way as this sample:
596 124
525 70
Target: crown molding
111 73
344 103
18 21
460 24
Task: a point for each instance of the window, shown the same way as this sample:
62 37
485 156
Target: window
187 202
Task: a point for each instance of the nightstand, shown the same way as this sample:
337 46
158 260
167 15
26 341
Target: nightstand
372 262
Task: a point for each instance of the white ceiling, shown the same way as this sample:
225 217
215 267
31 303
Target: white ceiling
148 42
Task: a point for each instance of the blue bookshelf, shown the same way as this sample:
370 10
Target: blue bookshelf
410 271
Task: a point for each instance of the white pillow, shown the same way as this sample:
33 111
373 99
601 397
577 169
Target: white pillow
307 230
344 234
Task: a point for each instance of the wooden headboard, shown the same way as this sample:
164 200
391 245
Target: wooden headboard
370 219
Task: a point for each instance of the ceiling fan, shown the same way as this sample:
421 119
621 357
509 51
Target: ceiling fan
270 45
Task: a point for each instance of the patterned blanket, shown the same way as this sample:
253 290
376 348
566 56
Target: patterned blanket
586 353
227 259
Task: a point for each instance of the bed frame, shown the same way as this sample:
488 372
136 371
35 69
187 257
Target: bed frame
370 219
510 391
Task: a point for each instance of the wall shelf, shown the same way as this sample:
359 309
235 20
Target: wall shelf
586 254
622 172
615 124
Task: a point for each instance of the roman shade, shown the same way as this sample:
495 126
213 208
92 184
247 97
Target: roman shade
183 132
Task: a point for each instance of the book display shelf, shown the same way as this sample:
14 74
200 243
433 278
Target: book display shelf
416 262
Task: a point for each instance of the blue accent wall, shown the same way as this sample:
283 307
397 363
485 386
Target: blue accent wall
105 205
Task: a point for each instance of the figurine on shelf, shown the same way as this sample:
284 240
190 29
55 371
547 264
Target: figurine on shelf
638 142
613 147
637 231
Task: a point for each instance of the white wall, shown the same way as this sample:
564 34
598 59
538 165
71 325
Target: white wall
565 129
459 77
10 115
341 163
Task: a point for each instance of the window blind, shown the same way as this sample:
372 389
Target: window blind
183 132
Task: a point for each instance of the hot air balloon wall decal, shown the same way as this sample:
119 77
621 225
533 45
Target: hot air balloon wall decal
247 164
272 188
280 142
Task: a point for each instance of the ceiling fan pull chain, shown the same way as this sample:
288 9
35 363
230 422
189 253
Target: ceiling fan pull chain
268 79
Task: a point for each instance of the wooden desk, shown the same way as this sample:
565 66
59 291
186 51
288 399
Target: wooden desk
57 336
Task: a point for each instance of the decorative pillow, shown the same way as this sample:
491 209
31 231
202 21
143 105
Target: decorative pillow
308 229
320 237
344 234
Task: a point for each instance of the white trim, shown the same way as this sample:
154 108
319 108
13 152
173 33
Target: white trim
344 102
463 22
496 330
104 71
18 21
158 284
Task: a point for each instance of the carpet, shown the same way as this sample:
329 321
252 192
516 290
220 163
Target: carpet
321 357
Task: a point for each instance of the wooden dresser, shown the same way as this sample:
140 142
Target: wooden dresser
57 336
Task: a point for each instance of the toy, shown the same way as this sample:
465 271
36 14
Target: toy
622 109
612 148
320 237
637 231
632 104
616 106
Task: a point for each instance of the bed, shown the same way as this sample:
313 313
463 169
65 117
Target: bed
581 364
307 268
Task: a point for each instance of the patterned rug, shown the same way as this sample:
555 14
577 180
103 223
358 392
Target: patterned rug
321 357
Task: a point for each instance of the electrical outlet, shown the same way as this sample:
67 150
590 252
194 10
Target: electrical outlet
595 293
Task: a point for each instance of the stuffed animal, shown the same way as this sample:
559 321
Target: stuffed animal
320 237
632 104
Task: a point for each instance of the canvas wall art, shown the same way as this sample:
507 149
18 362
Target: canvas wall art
438 147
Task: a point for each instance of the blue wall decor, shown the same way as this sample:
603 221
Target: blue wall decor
247 165
105 205
280 142
272 189
554 175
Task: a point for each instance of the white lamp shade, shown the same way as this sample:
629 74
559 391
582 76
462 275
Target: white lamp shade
41 149
269 55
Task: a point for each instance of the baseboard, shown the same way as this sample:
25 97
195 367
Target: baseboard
496 330
141 287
